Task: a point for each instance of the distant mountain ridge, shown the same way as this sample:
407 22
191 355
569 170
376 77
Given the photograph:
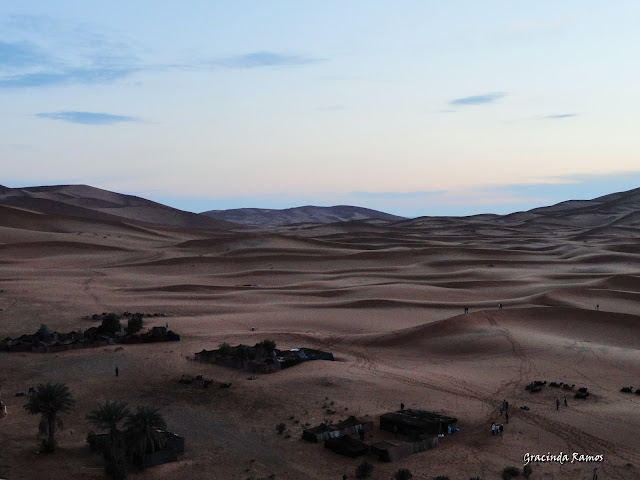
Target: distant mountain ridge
615 210
96 204
265 217
47 206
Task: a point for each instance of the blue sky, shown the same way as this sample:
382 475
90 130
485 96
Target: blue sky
415 107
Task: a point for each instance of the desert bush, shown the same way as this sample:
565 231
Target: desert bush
364 470
224 348
527 471
244 352
281 427
43 331
110 324
402 474
510 472
441 477
134 325
268 345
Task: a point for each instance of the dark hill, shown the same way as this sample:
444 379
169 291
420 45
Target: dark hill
307 214
82 201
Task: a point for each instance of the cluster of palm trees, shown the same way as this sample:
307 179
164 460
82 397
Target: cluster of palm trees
142 432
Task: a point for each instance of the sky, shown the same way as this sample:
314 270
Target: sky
411 107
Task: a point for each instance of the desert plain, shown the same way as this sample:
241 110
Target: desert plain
387 298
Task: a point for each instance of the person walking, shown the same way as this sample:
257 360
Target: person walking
493 428
507 416
501 429
117 371
565 402
501 410
595 473
557 404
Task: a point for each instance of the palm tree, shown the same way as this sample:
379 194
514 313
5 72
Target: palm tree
144 433
108 416
49 400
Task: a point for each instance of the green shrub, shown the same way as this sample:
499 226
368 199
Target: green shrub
402 474
441 477
224 348
110 324
268 345
364 470
281 427
527 471
134 325
510 472
243 352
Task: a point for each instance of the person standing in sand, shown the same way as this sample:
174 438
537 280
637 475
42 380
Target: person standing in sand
507 416
117 371
493 428
565 402
501 429
595 473
557 404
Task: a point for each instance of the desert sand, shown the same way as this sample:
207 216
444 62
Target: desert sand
387 298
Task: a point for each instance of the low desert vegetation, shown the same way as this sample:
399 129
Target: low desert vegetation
364 470
510 472
134 325
403 474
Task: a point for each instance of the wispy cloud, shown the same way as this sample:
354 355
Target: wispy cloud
264 59
87 118
97 75
41 51
21 54
560 116
477 99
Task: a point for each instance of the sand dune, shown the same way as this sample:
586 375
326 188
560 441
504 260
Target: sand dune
299 215
386 298
93 203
